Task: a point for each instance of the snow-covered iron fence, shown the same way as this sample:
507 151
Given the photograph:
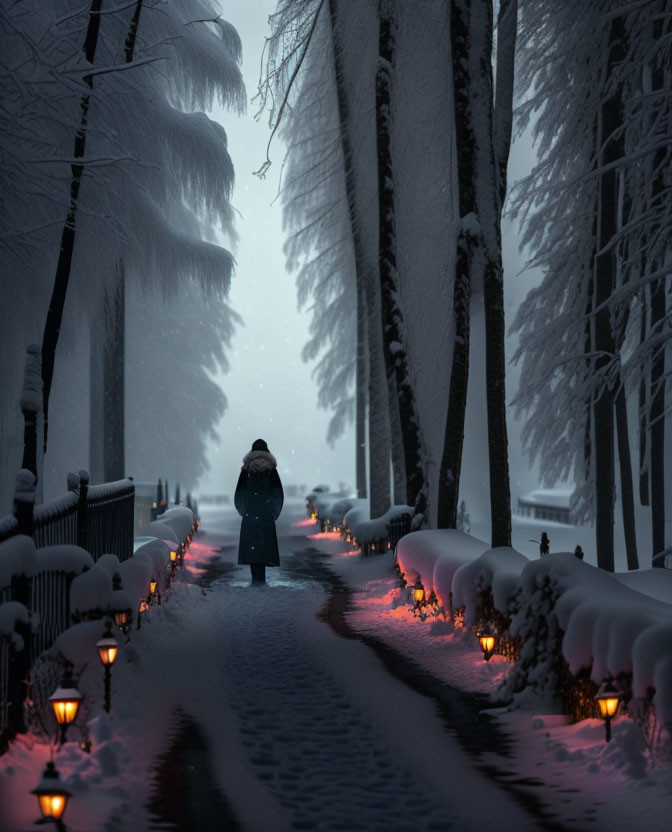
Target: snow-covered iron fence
51 600
99 518
5 648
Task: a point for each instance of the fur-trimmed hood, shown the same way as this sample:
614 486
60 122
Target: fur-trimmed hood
259 461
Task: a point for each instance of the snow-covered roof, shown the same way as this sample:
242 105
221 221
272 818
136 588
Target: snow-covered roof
552 497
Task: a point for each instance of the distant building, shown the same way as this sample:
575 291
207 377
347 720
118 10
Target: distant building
547 504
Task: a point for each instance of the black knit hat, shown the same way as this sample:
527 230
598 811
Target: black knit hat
259 445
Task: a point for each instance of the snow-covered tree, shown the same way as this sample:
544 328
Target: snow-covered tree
154 169
595 331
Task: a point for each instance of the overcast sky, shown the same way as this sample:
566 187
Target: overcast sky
269 389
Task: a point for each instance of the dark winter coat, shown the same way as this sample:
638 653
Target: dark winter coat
258 500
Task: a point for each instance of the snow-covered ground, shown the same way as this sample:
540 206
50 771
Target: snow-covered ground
305 729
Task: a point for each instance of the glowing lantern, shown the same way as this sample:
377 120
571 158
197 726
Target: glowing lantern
51 795
607 698
418 592
173 555
487 641
65 701
108 647
152 586
121 619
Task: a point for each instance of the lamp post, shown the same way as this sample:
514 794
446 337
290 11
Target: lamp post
607 698
122 617
65 701
108 647
487 641
52 797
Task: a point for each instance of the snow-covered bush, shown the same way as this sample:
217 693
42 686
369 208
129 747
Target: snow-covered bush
579 625
180 519
495 573
18 557
164 531
367 531
434 555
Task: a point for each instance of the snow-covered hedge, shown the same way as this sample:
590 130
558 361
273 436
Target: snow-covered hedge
324 501
367 531
18 557
496 571
180 519
11 614
570 619
435 556
164 531
63 558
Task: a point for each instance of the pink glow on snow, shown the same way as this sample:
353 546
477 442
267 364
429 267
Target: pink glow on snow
307 522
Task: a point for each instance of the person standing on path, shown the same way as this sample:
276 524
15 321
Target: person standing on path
258 500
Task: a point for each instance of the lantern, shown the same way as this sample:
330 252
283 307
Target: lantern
152 586
51 795
173 555
108 647
122 619
418 592
607 698
65 701
487 641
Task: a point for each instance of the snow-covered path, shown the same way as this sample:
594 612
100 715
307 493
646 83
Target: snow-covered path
311 732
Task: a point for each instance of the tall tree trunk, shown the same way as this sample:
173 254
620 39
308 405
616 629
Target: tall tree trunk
488 188
392 319
660 78
114 381
451 461
399 495
52 327
507 29
379 409
657 422
643 413
97 340
610 149
360 404
31 407
360 265
114 443
627 490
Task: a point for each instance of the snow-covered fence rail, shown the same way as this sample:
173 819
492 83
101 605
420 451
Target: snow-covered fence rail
98 518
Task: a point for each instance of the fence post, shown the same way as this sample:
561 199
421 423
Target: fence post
83 511
19 664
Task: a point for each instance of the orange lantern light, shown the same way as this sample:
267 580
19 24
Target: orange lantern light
173 555
607 698
65 701
152 586
418 592
487 641
51 795
108 647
